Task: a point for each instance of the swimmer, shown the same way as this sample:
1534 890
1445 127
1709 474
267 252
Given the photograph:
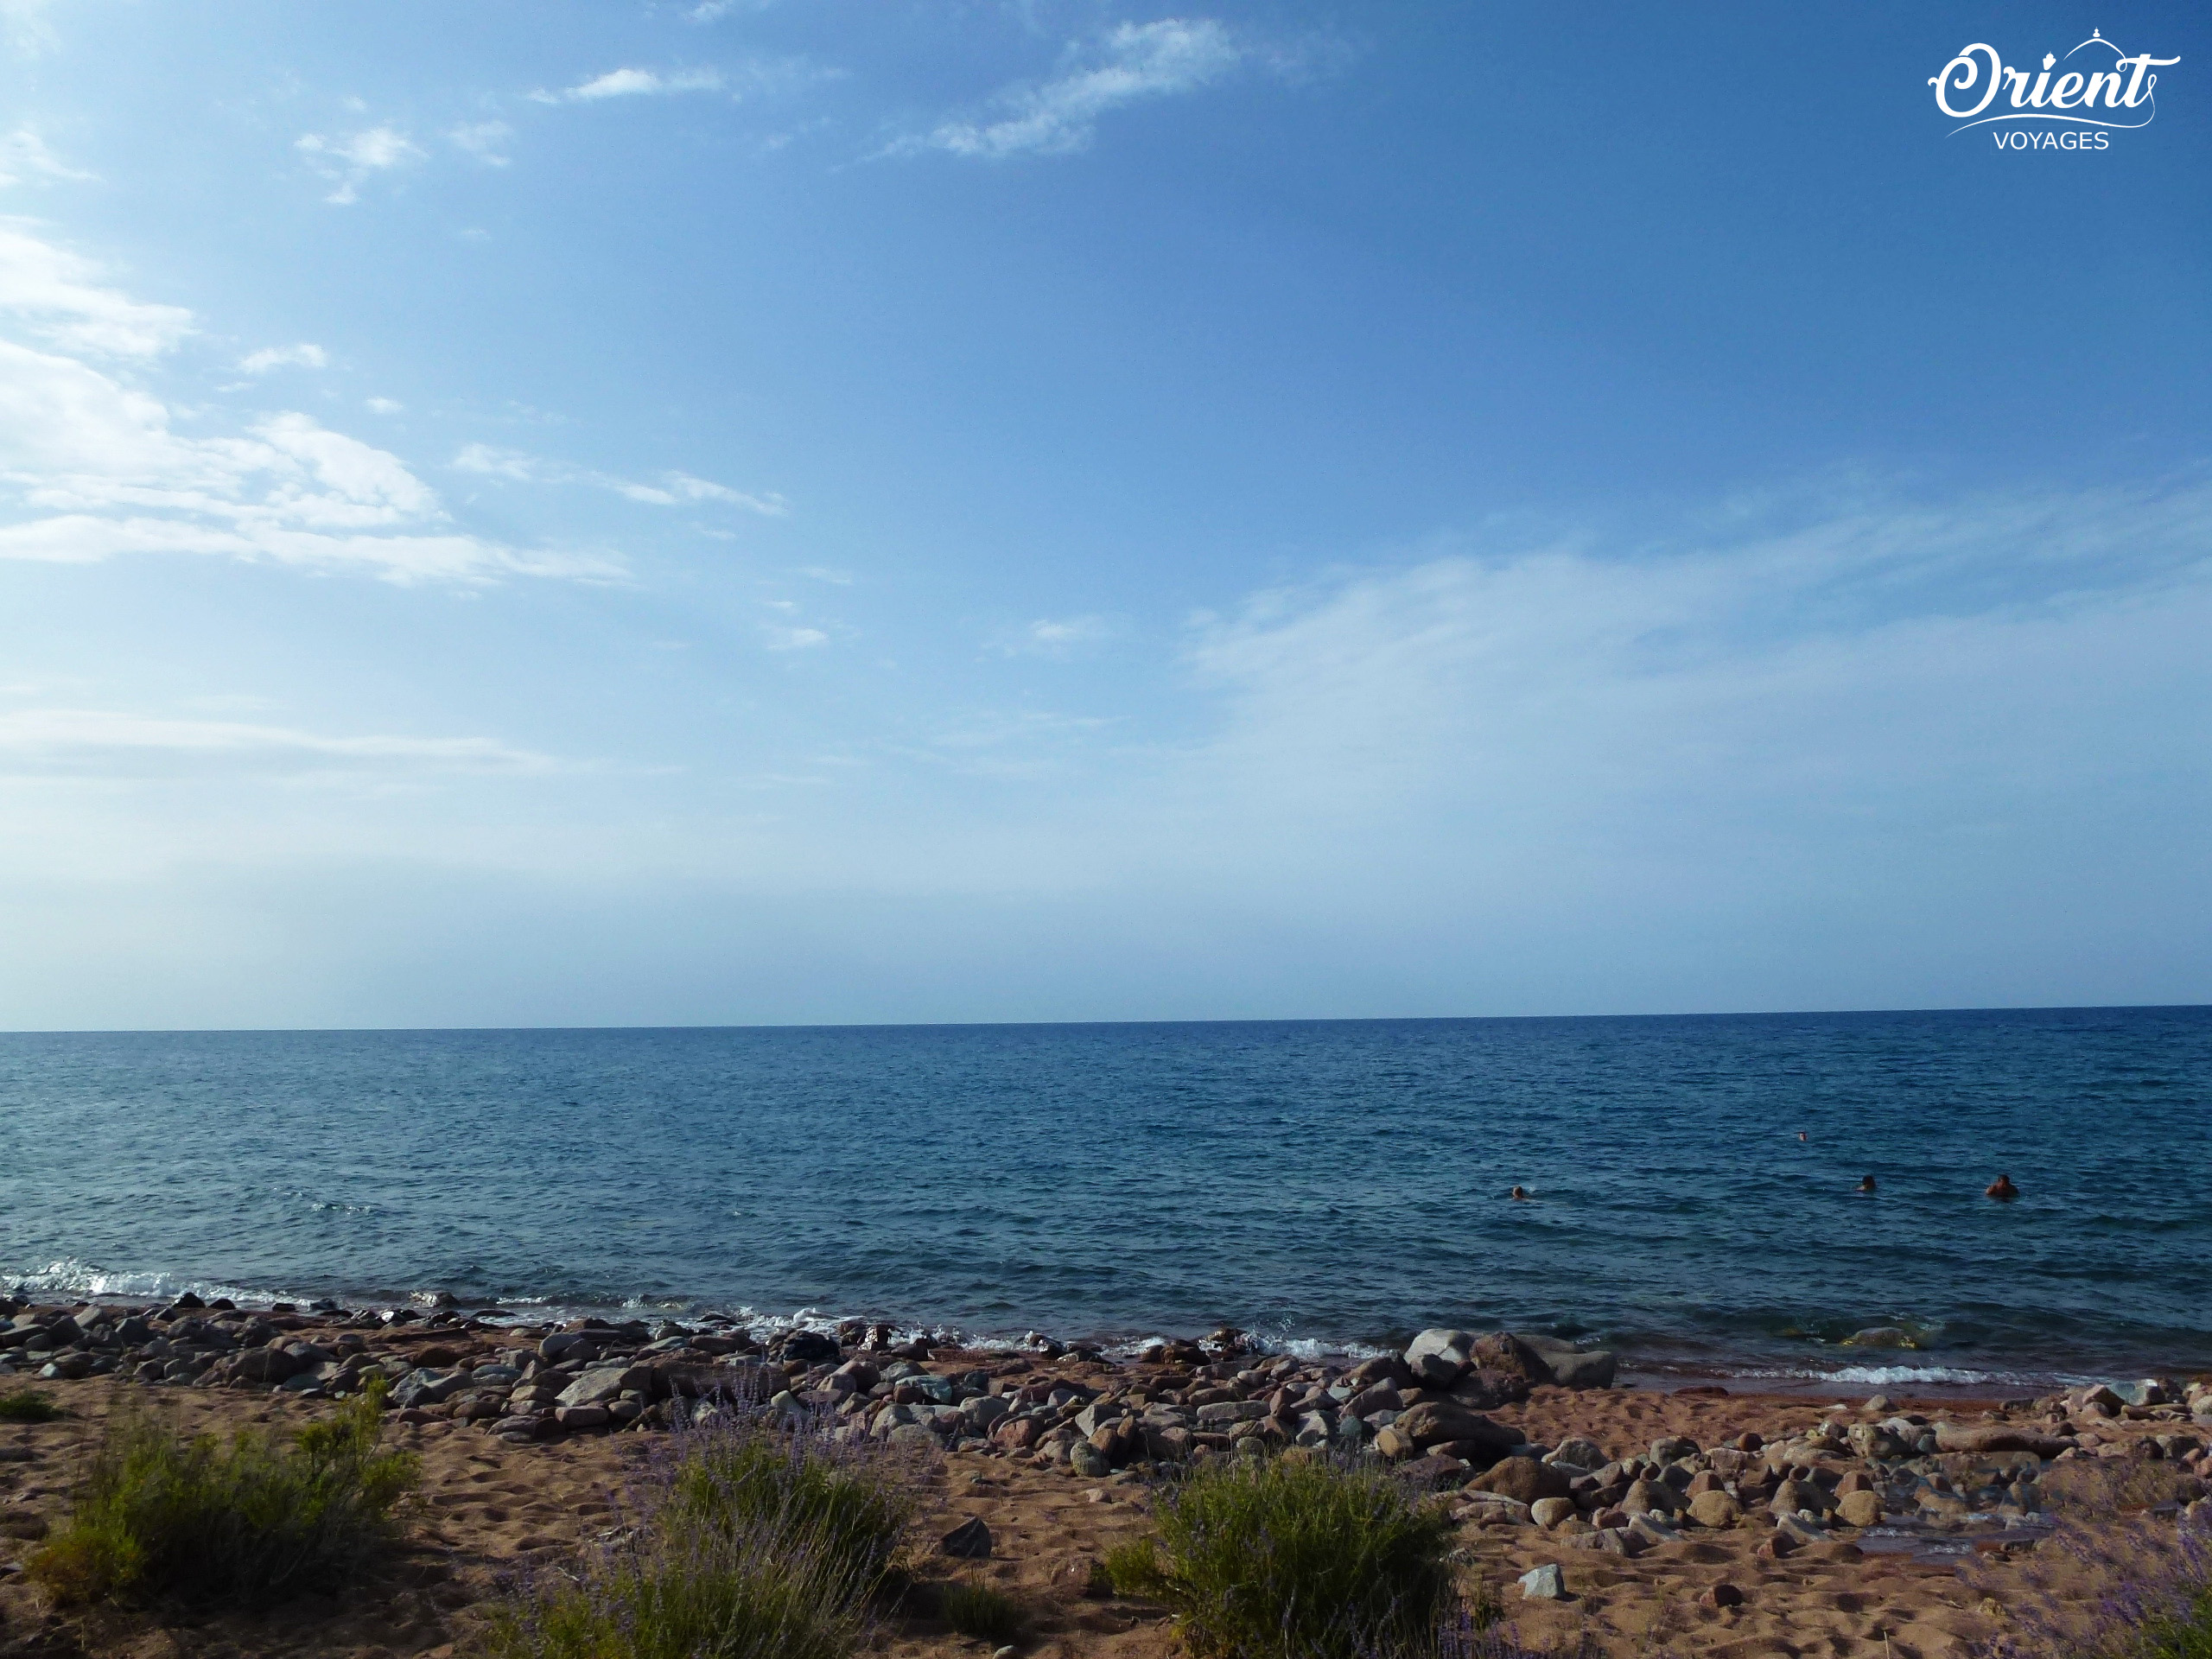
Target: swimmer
1801 1134
2001 1188
1867 1184
1519 1194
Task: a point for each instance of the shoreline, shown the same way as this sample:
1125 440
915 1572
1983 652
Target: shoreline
1654 1366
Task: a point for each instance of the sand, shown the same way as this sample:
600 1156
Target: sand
489 1508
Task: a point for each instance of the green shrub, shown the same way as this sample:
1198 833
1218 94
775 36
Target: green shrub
736 1482
753 1541
1294 1560
26 1406
253 1520
708 1597
979 1611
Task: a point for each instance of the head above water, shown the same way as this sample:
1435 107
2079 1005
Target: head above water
2002 1187
1865 1183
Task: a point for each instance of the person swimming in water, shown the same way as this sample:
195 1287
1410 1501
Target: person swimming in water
1519 1194
2001 1188
1865 1183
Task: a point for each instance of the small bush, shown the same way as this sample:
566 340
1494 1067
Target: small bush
1283 1560
253 1520
26 1406
753 1541
747 1479
979 1611
2123 1586
762 1595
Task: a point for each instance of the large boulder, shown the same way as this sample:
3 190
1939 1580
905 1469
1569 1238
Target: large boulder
601 1383
1433 1422
1501 1351
1522 1479
1483 1389
1436 1358
1980 1438
268 1365
1572 1367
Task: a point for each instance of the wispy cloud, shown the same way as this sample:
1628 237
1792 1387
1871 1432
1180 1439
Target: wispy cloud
672 488
305 355
636 83
109 743
23 156
1051 637
1134 63
349 162
788 639
385 406
103 471
484 140
59 295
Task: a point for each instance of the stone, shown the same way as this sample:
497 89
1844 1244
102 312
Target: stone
582 1416
1391 1443
1524 1480
1860 1508
1653 1529
1433 1421
599 1384
1645 1496
968 1542
1716 1510
1572 1367
1978 1439
1437 1358
274 1365
1222 1413
1723 1594
1501 1351
1545 1583
1582 1453
1484 1389
1793 1496
1087 1460
1549 1512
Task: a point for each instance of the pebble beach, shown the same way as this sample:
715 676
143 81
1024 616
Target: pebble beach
1710 1515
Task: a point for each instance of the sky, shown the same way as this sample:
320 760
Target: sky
598 513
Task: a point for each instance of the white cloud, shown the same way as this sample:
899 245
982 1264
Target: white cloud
484 140
55 291
1050 637
636 83
349 162
80 742
301 356
795 638
23 156
674 489
385 406
1136 61
1875 668
25 26
102 471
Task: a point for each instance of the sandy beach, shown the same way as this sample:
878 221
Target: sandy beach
1650 1571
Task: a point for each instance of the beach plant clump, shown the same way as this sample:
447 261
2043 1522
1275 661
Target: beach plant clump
753 1540
26 1406
980 1611
2120 1579
1296 1559
251 1519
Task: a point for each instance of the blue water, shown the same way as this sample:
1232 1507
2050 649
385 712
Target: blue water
1332 1182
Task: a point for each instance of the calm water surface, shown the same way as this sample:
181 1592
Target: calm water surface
1333 1182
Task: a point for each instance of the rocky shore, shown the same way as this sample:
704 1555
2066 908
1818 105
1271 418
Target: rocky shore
1429 1409
1696 1519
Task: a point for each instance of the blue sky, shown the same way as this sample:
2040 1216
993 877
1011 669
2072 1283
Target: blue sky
784 511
